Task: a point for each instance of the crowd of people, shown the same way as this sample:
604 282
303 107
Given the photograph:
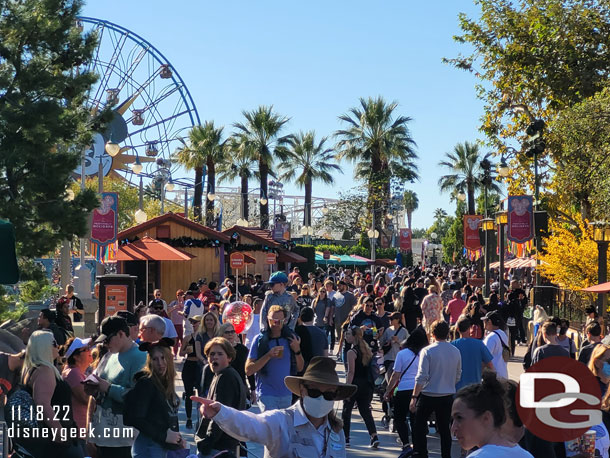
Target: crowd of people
428 344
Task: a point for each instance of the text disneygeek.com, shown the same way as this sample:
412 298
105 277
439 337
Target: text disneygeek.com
63 434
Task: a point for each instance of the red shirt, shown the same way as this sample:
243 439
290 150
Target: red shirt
455 307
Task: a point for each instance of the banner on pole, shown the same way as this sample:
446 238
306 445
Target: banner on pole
104 227
520 219
472 241
405 239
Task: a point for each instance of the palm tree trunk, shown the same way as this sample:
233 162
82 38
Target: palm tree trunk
375 188
198 193
471 208
263 168
307 212
244 197
409 217
209 212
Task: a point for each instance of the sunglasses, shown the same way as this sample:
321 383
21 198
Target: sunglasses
315 393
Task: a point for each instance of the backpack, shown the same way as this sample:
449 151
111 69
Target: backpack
505 349
20 409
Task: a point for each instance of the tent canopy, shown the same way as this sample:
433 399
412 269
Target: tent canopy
352 261
601 288
149 249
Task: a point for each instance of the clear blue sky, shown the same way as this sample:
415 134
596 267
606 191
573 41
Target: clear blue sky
313 60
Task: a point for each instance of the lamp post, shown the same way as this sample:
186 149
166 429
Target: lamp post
501 221
373 234
433 236
487 224
601 235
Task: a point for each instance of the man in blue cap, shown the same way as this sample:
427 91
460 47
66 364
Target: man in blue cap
278 296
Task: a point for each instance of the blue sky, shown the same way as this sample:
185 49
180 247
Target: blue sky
313 60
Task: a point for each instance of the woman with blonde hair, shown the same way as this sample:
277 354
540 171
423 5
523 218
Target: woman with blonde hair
41 378
359 373
152 405
599 365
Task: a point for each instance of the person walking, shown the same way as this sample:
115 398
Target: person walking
151 406
402 382
174 310
496 341
307 428
440 368
228 388
359 373
432 308
475 355
279 296
191 369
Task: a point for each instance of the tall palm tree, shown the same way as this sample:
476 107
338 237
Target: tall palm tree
308 162
464 164
440 214
238 163
260 134
205 146
411 203
382 148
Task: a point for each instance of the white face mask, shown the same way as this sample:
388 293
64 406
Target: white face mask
317 407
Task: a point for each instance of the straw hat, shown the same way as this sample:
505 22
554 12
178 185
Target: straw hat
321 369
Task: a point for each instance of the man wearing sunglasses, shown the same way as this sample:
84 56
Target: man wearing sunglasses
307 428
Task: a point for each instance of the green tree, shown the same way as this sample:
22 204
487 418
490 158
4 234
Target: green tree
44 123
464 164
440 214
261 136
453 241
410 202
206 146
239 163
307 161
381 147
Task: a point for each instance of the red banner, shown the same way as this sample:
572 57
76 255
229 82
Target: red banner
471 232
520 219
405 239
105 220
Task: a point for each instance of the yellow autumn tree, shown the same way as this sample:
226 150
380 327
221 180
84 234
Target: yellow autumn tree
571 254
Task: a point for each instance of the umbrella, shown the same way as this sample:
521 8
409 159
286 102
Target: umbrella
601 288
149 249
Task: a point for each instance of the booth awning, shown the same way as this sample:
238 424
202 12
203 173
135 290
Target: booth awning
352 261
331 261
601 288
249 259
517 263
362 258
149 249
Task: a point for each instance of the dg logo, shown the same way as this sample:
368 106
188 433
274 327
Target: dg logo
559 399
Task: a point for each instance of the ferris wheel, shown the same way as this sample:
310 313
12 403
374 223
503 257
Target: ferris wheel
153 109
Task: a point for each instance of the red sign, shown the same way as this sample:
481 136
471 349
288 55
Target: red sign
520 219
270 258
471 232
237 260
105 221
326 255
405 239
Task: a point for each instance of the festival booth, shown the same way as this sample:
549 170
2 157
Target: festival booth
168 253
262 254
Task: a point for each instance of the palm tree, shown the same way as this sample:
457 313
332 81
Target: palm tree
464 163
382 148
440 214
308 162
260 134
205 146
411 202
238 163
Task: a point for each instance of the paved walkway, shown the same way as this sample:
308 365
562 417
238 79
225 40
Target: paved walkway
359 435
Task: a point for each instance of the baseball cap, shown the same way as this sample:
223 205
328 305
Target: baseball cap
278 277
494 317
129 317
77 344
110 326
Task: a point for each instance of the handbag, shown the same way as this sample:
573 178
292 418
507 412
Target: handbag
403 373
386 347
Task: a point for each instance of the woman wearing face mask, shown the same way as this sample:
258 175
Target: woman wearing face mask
228 388
152 405
307 428
479 415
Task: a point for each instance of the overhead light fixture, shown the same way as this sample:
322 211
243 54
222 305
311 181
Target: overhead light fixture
136 167
211 196
69 195
169 186
503 169
324 210
263 201
140 216
461 196
112 148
